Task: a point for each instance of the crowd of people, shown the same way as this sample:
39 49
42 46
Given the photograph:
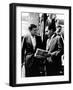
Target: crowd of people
53 43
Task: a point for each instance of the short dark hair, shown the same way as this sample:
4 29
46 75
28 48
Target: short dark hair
52 27
32 26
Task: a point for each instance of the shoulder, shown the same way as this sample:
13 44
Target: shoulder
38 37
57 36
27 39
59 39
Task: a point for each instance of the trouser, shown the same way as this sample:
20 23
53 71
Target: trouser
52 69
32 69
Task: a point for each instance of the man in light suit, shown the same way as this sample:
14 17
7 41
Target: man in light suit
55 49
30 44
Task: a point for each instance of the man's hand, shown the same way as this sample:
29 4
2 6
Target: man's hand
28 57
39 57
47 55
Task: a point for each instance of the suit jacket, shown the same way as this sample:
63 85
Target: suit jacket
28 50
56 48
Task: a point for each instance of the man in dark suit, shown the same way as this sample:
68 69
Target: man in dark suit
55 48
30 44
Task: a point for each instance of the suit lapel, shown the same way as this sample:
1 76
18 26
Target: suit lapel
52 44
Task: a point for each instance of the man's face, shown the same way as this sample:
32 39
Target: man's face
48 33
34 31
58 30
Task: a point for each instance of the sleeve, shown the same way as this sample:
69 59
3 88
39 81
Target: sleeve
23 49
23 44
60 47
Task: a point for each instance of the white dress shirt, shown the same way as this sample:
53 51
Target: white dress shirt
33 39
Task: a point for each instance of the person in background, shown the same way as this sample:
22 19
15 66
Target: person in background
60 32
